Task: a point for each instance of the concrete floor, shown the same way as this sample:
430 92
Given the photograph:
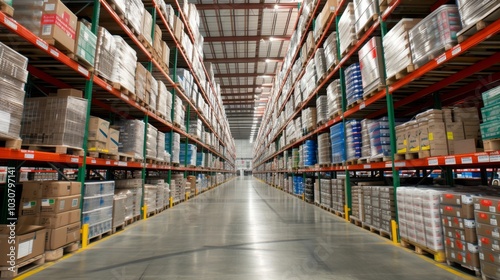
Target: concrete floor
245 230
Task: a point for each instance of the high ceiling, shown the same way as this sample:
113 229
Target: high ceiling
246 41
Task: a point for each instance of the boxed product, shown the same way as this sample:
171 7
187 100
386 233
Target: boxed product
113 141
59 24
58 237
60 204
60 188
51 221
29 243
66 92
86 43
98 129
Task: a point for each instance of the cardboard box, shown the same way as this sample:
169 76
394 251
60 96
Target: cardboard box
32 190
69 92
488 242
86 43
60 204
29 243
489 255
487 204
467 235
401 141
488 231
97 146
57 238
60 188
487 218
454 132
58 24
165 54
98 129
459 245
413 137
490 270
465 211
29 205
464 258
456 222
466 146
54 220
178 28
113 141
29 219
433 138
456 198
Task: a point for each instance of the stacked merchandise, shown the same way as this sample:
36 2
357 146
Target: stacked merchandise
457 213
147 27
320 62
488 234
347 32
435 33
131 187
337 139
141 82
334 98
200 159
97 210
322 110
357 203
310 152
380 140
364 12
490 112
131 138
324 149
316 192
325 186
14 75
194 187
295 158
471 12
308 81
161 153
353 139
203 182
353 83
151 143
365 138
338 195
163 101
298 185
189 158
86 42
308 120
301 156
179 188
464 120
113 140
195 127
128 205
179 114
173 145
150 195
60 211
419 218
162 189
54 121
134 14
383 209
298 127
29 14
330 46
371 65
119 210
152 92
297 96
105 55
397 51
308 189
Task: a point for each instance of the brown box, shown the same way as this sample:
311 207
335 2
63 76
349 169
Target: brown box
487 204
32 190
490 270
413 137
60 204
467 235
113 141
456 198
454 132
165 54
433 138
98 129
459 245
58 24
178 28
488 242
489 255
456 222
488 231
30 200
465 211
29 219
57 238
157 41
60 188
466 146
54 220
462 257
75 216
66 92
401 141
29 243
487 218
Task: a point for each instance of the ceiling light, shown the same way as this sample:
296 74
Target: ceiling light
267 60
271 39
276 7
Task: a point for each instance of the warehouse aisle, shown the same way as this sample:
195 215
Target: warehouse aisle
244 230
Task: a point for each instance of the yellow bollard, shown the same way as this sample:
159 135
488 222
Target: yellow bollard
85 235
394 229
346 212
187 196
171 201
303 197
145 212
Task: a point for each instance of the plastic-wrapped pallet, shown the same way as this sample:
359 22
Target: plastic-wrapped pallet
322 109
97 209
105 56
353 83
330 47
161 153
334 98
190 157
310 151
153 92
298 185
435 33
380 141
419 217
119 209
86 43
147 27
131 137
151 143
161 101
472 12
397 51
338 195
120 6
324 149
179 113
14 75
325 186
125 62
357 203
347 32
353 139
337 139
134 186
174 148
141 82
150 197
320 62
129 202
54 121
308 120
309 189
371 65
179 186
295 158
134 13
29 14
365 139
365 12
195 127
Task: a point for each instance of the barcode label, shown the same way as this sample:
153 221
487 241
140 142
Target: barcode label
46 29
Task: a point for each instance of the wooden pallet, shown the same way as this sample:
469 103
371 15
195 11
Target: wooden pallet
363 160
491 145
145 43
491 16
129 158
100 236
54 255
411 156
6 9
118 228
352 162
351 45
475 270
58 149
439 256
8 143
354 104
399 156
372 92
401 74
338 213
132 220
355 221
430 57
123 90
378 231
82 61
22 267
367 26
62 48
103 155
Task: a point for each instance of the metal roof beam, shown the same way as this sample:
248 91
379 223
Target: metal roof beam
242 75
244 60
247 6
246 38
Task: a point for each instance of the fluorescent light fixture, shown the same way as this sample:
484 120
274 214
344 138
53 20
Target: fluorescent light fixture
276 7
267 60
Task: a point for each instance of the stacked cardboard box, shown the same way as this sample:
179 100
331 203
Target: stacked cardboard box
486 211
54 121
134 186
460 238
353 139
98 135
97 208
86 43
490 112
365 138
338 195
179 187
13 70
334 98
357 202
173 145
105 55
131 137
308 189
364 13
347 32
124 64
330 46
150 197
323 17
151 144
309 120
161 153
371 65
119 209
142 83
325 186
128 206
146 30
324 149
60 213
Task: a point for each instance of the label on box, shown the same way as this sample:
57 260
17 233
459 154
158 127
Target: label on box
29 204
47 202
46 29
50 7
25 248
450 135
493 209
74 203
495 234
431 136
61 204
493 222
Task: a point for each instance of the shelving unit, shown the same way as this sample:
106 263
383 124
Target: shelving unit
467 68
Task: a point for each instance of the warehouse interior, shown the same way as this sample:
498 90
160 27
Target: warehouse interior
278 139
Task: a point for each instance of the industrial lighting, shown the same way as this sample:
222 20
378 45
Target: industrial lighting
276 7
272 39
267 60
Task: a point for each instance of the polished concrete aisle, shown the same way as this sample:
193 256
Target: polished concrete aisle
245 230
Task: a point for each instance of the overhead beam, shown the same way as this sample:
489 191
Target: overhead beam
245 86
238 94
246 38
243 75
238 101
247 6
244 60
